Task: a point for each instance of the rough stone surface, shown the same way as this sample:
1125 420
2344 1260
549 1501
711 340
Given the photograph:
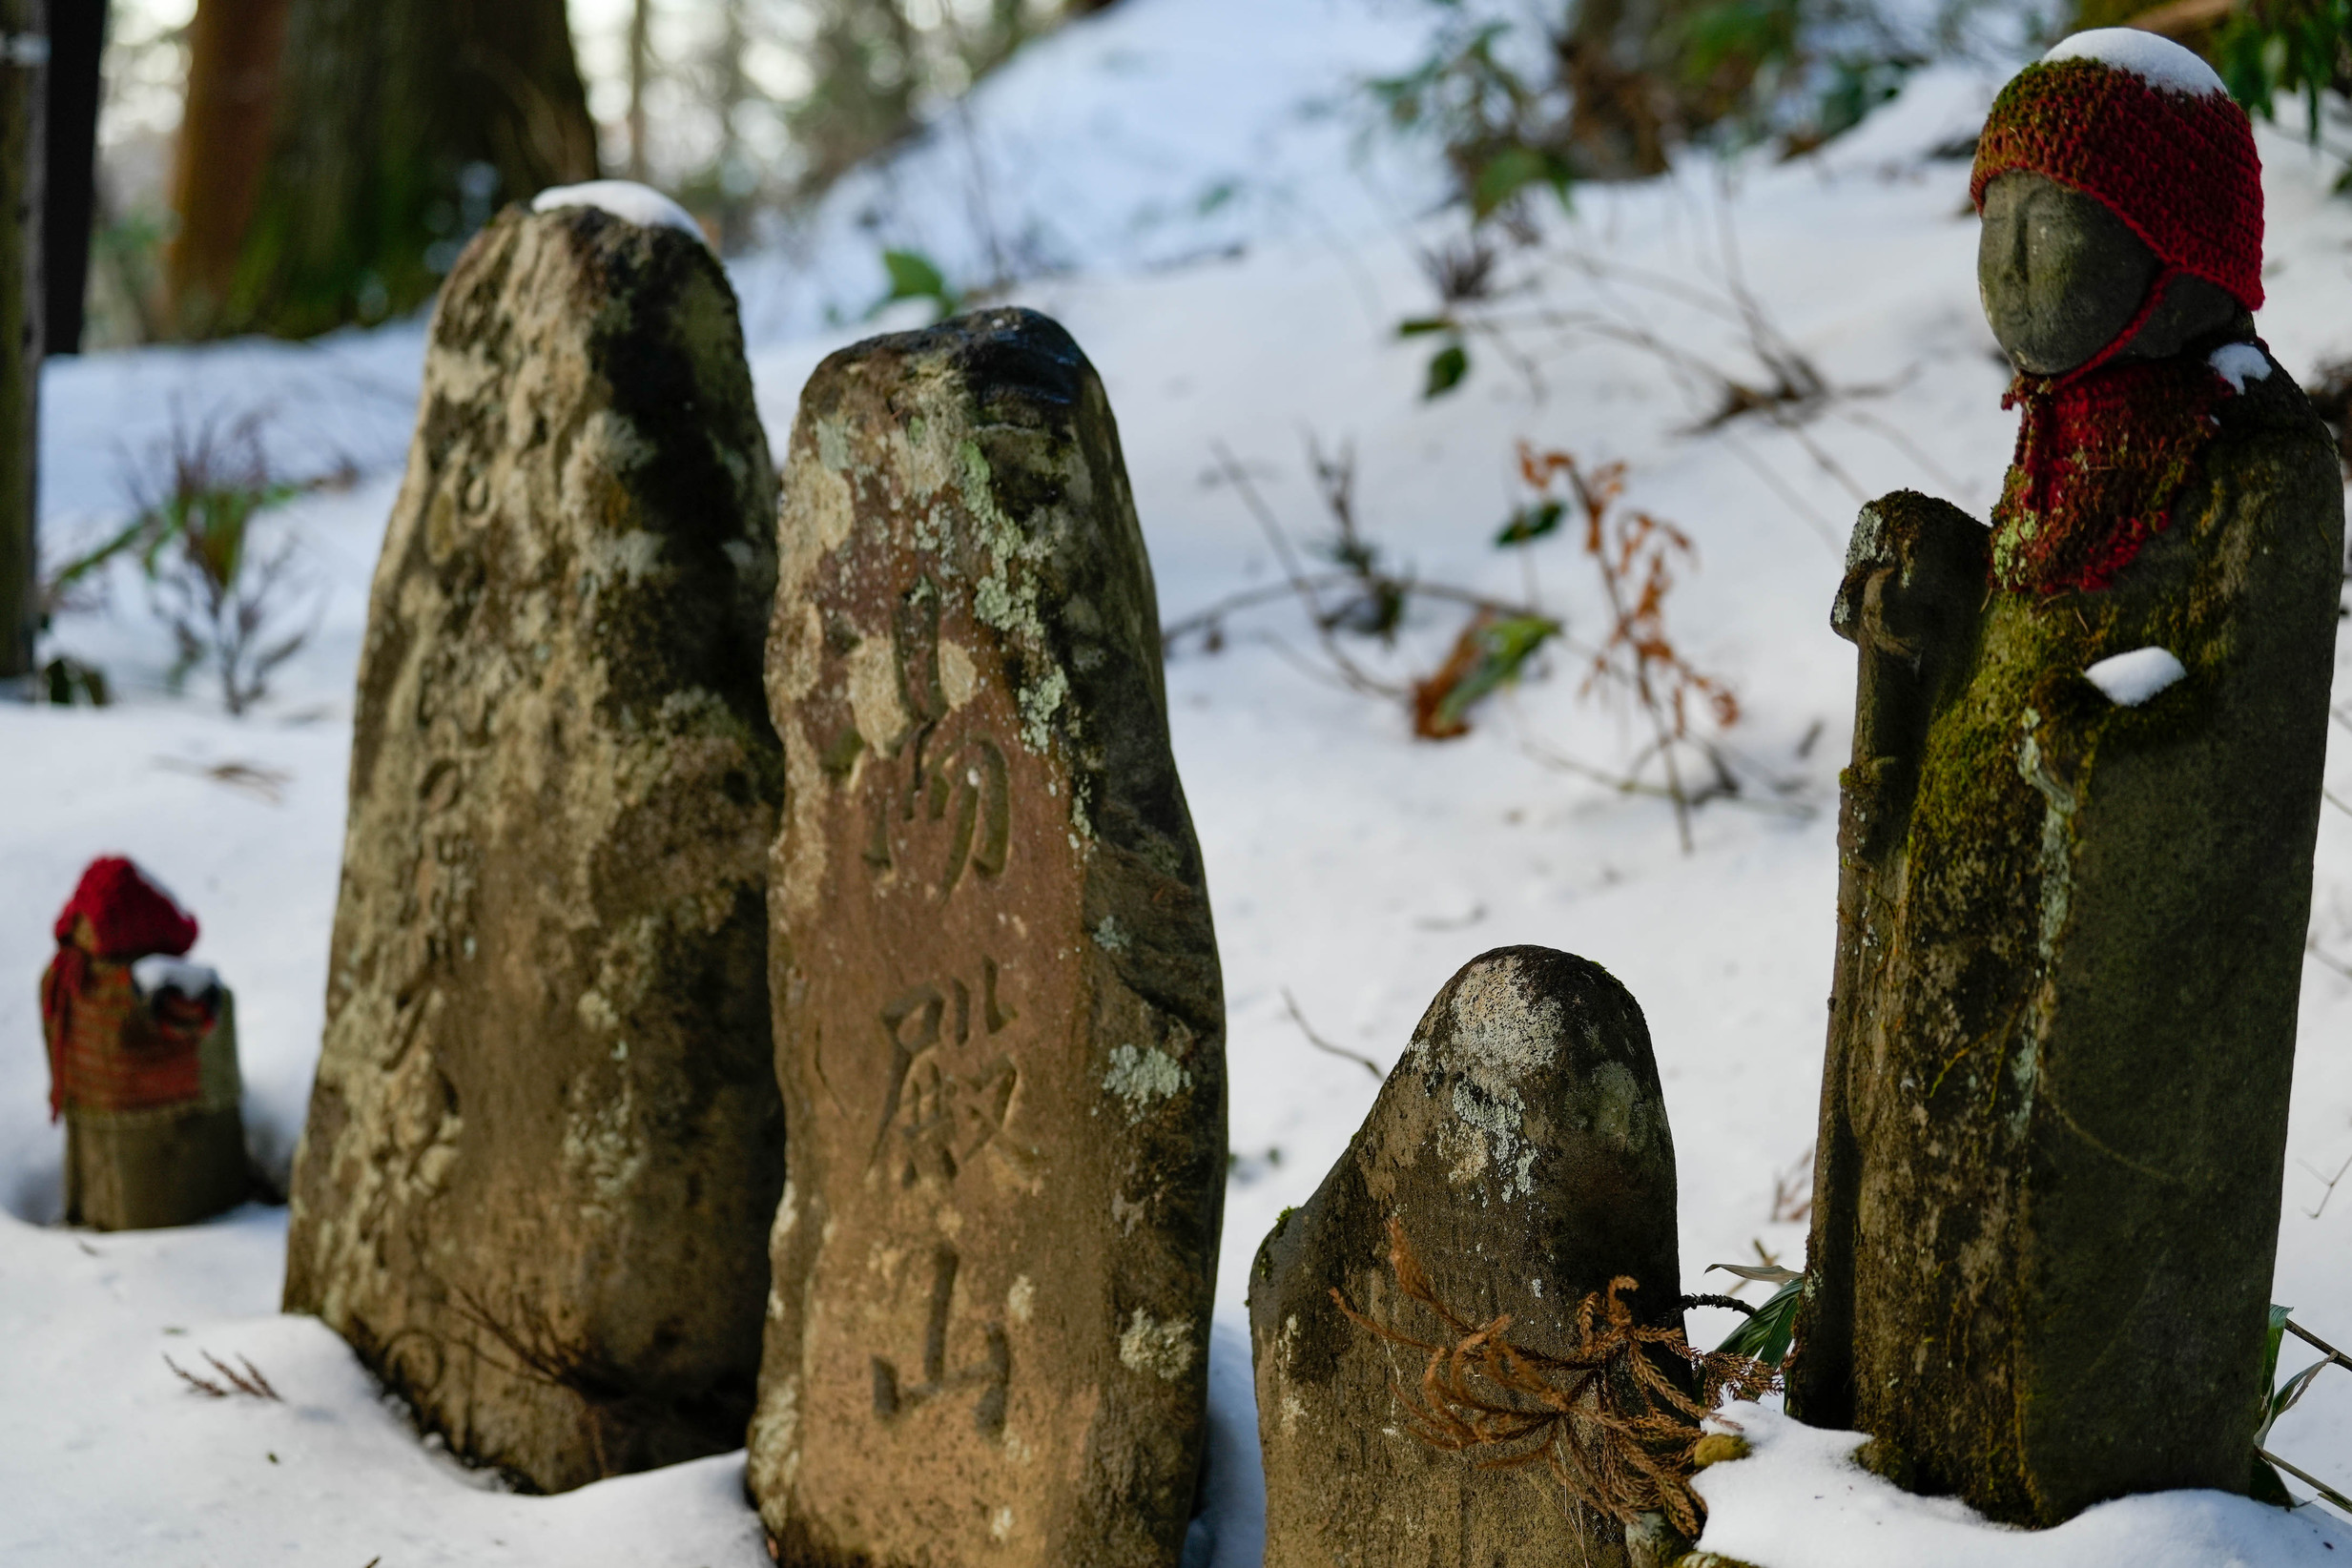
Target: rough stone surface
2070 948
999 1026
1523 1142
544 1142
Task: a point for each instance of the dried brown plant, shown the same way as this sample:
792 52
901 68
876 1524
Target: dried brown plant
1636 556
1615 1418
250 1382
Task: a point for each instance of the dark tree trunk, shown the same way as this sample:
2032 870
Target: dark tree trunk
24 52
401 124
234 50
77 39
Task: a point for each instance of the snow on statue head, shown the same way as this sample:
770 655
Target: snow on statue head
2122 203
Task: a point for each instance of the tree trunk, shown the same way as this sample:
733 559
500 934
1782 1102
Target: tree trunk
23 55
640 66
77 41
399 124
233 48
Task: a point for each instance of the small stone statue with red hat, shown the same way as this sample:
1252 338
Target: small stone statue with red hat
142 1058
2075 839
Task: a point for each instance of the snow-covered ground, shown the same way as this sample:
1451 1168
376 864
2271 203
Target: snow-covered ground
1353 869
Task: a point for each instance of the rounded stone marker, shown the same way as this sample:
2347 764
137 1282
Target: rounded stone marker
1521 1141
999 1027
545 1141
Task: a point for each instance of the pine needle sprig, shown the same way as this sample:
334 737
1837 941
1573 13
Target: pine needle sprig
1615 1418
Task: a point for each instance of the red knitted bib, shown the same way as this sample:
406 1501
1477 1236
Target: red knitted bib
2100 460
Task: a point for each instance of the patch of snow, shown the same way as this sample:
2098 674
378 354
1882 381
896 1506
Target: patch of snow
156 973
625 200
2155 60
2239 363
2129 679
1799 1497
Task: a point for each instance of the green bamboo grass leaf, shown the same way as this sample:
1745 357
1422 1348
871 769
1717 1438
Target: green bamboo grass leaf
1504 648
915 276
1532 523
1766 1337
1446 369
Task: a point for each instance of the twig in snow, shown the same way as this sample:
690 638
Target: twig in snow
1322 1045
249 1383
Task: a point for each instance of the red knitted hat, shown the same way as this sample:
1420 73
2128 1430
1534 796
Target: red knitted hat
2145 127
129 917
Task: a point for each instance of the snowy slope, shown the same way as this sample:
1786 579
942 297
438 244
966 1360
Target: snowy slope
1349 867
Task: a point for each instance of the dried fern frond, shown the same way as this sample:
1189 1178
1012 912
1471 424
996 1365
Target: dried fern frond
1615 1418
250 1382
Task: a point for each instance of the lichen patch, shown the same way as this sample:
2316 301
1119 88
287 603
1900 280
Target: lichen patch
1164 1350
1140 1077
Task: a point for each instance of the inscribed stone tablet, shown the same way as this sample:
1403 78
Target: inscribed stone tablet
999 1023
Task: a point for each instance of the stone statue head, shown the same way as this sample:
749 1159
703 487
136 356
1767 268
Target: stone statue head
2122 205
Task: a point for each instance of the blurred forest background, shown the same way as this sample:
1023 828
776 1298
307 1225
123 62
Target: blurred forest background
181 170
290 166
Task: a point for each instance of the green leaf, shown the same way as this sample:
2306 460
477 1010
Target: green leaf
913 276
1510 169
1532 523
1446 369
1421 326
1766 1337
1505 646
2276 1335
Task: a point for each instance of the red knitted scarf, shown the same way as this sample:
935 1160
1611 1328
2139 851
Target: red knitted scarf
2100 459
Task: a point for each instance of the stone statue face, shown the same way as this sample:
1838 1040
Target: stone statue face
2061 275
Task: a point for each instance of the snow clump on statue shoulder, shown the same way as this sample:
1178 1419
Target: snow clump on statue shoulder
2239 363
625 200
2157 61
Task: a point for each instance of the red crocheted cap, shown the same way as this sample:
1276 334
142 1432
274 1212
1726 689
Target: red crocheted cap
129 916
2124 121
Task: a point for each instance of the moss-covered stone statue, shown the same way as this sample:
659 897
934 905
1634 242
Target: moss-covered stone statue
2075 839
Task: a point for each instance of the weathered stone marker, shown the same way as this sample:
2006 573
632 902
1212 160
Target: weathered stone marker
999 1027
544 1142
1522 1143
2075 841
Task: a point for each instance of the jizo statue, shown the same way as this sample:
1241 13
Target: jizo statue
2075 839
142 1056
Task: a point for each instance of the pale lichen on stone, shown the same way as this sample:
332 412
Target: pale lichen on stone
1162 1349
1139 1077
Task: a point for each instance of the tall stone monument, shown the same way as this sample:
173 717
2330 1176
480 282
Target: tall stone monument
1521 1141
1000 1028
2075 841
544 1142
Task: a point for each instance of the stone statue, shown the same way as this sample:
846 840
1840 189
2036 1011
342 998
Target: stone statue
142 1056
2075 839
